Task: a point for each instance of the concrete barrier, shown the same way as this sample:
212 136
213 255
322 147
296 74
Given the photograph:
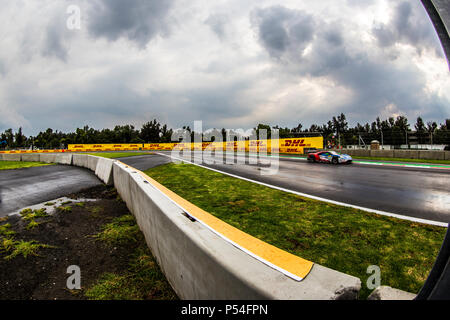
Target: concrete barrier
80 160
104 170
121 175
395 153
201 265
431 155
65 158
12 157
355 152
92 162
382 153
406 154
33 157
388 293
48 157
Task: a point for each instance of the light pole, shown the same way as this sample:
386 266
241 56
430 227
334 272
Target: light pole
406 136
339 140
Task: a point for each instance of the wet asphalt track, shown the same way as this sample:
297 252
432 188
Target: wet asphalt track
414 192
24 187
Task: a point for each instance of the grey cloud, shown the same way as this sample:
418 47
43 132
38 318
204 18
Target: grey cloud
334 37
54 43
108 100
236 88
360 3
373 81
410 25
2 68
281 29
217 23
136 20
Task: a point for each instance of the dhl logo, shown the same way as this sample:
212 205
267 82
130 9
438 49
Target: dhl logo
295 143
78 147
117 146
98 146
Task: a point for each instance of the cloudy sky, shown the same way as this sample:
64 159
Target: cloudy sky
230 63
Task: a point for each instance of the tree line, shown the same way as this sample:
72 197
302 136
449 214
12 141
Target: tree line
392 131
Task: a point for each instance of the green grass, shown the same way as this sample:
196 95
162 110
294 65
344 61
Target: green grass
113 155
30 216
21 247
303 156
142 279
5 230
8 243
10 165
63 209
403 160
121 230
341 238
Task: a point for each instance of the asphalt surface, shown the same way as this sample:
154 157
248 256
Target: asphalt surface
415 192
25 187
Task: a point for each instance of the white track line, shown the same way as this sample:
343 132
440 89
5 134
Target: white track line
383 213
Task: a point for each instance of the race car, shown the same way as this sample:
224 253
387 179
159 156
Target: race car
329 157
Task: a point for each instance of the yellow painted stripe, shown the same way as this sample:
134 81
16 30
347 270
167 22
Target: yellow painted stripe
280 258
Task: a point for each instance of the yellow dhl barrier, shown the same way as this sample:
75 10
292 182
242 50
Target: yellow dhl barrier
291 145
34 151
105 147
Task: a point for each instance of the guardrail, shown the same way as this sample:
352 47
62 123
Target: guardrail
197 262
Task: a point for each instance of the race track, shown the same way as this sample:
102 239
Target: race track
415 192
25 187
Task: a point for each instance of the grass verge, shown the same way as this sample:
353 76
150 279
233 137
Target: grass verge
113 155
403 160
341 238
21 247
13 247
9 165
304 156
101 237
143 278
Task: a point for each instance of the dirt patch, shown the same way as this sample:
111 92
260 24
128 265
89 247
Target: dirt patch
71 235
